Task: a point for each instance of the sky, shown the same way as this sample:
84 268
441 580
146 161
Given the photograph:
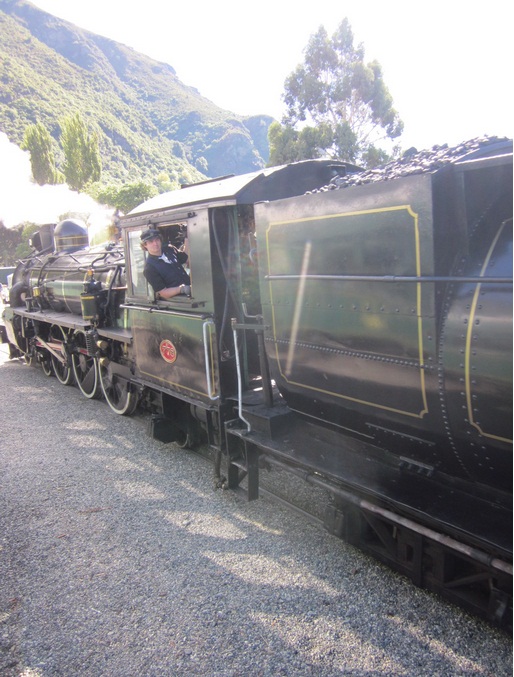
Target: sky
447 65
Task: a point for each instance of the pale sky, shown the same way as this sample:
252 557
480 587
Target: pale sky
447 64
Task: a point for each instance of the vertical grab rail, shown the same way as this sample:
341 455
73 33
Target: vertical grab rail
208 363
239 379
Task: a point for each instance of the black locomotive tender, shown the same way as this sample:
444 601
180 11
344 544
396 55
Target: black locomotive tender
353 329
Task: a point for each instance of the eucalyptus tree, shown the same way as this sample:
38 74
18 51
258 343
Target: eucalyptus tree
337 105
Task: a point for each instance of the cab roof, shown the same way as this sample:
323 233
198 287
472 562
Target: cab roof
272 183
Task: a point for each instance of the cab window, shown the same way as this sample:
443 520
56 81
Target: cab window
171 234
137 264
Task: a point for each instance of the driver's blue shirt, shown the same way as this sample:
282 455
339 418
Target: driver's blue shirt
166 270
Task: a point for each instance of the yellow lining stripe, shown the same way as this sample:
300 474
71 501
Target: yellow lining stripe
467 366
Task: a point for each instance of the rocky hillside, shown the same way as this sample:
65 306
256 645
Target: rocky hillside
148 121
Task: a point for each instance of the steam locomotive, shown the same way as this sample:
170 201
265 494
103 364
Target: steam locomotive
349 329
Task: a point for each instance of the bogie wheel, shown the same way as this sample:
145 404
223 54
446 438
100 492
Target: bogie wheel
85 367
118 392
62 370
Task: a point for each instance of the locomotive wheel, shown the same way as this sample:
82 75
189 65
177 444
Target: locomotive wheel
63 371
185 442
190 438
117 392
46 364
29 359
85 368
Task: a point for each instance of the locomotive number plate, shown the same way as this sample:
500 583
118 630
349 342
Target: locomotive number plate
168 351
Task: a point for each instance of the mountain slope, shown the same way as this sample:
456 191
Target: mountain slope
148 120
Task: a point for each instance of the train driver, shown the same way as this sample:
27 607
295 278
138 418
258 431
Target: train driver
164 265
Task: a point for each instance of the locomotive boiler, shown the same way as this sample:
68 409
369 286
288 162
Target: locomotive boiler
350 330
66 288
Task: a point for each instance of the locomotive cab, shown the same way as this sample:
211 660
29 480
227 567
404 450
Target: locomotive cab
185 346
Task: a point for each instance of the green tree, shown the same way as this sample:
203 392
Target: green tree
336 104
133 194
288 144
82 164
164 183
27 231
38 142
125 198
10 238
104 194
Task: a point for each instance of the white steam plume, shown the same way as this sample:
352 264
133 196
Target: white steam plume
23 200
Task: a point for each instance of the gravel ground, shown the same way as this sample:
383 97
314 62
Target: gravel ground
117 558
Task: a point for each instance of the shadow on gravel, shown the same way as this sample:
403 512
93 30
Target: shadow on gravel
119 558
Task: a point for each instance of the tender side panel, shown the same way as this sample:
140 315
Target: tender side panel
351 321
